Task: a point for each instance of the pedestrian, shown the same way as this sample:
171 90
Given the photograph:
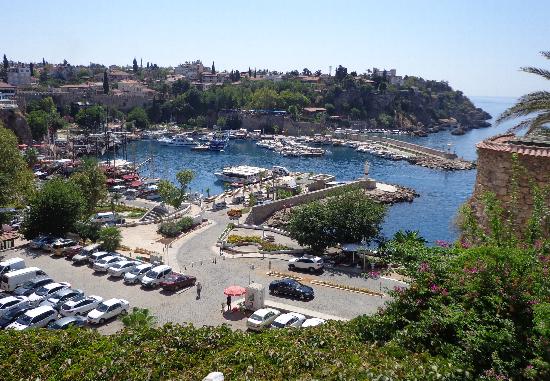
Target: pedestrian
199 289
228 301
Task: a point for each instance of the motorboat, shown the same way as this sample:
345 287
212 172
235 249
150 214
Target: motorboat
243 174
178 141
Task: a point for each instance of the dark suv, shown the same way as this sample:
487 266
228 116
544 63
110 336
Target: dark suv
291 288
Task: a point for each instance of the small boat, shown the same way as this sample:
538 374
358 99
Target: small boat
201 147
178 141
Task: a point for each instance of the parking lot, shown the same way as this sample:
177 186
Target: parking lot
196 255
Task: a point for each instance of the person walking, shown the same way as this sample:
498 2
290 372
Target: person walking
199 289
228 301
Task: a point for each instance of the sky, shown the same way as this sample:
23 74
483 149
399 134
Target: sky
477 46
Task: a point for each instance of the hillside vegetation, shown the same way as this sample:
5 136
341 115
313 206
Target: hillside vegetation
470 314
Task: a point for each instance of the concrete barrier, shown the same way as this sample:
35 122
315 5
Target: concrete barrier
260 213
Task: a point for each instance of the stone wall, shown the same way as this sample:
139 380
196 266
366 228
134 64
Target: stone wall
260 213
494 174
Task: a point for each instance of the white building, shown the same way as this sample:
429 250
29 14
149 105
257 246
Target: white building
19 76
190 70
131 86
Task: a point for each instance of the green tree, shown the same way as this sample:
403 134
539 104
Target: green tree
173 195
38 123
135 65
105 82
92 182
139 117
54 209
16 180
31 157
213 68
536 104
110 237
348 216
264 99
91 118
139 318
6 63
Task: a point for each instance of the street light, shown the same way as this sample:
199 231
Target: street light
250 268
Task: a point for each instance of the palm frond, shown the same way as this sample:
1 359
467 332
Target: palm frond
531 124
535 70
527 104
546 54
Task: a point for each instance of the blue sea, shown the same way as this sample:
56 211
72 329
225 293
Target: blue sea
433 213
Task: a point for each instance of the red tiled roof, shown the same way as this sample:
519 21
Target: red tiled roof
4 85
501 143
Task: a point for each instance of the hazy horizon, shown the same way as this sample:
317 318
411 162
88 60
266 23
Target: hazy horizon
477 48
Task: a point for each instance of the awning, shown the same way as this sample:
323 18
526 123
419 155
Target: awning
135 184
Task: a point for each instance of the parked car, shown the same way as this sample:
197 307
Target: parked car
103 264
262 319
93 258
85 254
175 281
120 268
46 242
34 318
80 307
306 263
58 299
39 241
46 291
11 264
59 244
138 272
12 315
30 286
291 288
156 275
312 322
290 319
71 251
69 321
108 309
11 302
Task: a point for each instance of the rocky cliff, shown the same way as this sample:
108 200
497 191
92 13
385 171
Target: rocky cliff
14 120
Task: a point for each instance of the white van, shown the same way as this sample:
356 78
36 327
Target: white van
155 276
10 281
104 218
12 265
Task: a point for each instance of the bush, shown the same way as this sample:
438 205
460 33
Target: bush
111 238
169 229
88 230
185 224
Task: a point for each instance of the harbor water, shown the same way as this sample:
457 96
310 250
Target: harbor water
433 213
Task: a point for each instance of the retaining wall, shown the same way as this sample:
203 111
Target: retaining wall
260 213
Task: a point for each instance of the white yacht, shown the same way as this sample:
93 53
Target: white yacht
178 140
242 174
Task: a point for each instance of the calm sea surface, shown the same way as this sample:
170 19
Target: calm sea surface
441 193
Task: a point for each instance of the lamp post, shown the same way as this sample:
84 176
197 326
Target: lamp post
250 268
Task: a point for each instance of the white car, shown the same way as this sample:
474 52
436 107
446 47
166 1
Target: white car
122 267
46 291
313 322
80 307
104 263
36 318
108 309
156 275
138 272
306 263
262 319
290 319
11 302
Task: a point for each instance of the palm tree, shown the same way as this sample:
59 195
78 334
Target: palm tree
408 236
138 318
536 104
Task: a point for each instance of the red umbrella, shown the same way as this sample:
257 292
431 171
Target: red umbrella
234 291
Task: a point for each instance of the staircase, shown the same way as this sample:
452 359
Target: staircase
155 214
